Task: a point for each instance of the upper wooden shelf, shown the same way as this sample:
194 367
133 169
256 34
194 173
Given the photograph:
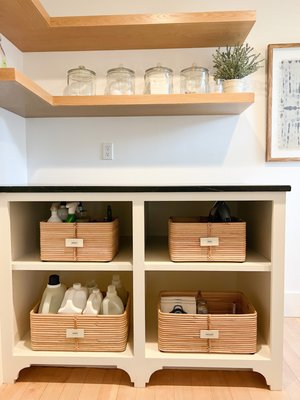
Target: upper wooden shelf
30 28
24 97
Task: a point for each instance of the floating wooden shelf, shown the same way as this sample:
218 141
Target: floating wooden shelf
24 97
30 28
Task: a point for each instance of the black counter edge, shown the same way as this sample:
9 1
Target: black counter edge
143 189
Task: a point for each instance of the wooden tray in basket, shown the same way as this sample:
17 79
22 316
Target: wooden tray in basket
220 331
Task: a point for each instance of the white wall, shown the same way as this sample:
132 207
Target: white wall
13 160
166 150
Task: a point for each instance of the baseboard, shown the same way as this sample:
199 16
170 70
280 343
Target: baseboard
292 304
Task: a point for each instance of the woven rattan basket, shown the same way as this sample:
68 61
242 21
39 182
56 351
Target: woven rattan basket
79 332
220 331
91 241
196 239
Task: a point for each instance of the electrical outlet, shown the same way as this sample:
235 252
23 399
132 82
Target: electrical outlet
107 151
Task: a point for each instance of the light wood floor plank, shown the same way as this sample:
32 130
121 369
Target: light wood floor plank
91 386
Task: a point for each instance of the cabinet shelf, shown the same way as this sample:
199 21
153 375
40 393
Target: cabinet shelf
24 97
30 28
157 259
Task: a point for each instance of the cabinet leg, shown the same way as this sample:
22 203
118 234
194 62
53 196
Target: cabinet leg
11 371
272 375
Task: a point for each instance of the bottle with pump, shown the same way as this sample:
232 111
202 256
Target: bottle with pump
112 304
93 304
71 211
52 296
121 291
74 300
54 216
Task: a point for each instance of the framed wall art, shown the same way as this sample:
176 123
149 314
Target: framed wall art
283 107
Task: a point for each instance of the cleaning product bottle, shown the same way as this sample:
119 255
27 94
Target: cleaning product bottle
52 296
74 300
54 216
91 285
62 211
71 211
2 56
93 304
112 304
121 291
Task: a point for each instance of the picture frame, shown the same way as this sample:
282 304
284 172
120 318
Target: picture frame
283 102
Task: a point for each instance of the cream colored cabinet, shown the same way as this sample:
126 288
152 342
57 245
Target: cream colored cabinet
146 269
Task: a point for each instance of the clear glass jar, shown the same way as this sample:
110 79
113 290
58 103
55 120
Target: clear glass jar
81 82
194 80
120 81
158 80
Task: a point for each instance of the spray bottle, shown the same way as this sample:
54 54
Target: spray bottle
71 211
54 217
2 57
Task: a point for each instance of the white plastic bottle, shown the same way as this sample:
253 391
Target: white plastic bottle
62 211
93 304
52 296
112 304
75 300
121 291
54 216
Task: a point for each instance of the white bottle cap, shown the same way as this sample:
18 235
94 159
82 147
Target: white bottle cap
111 289
76 286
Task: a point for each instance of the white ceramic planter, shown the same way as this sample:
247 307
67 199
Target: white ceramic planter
233 85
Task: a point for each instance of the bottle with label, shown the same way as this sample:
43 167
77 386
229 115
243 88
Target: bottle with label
74 300
93 304
71 211
112 304
121 291
52 296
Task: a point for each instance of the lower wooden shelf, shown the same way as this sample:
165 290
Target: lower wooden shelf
24 97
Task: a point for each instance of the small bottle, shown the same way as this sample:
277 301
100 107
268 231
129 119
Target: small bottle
121 291
52 296
71 211
62 211
54 213
93 304
109 214
112 304
202 306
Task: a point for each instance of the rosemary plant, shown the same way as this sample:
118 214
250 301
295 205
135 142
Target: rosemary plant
235 62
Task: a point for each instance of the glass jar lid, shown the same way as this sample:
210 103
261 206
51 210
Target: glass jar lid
194 69
81 73
159 69
120 70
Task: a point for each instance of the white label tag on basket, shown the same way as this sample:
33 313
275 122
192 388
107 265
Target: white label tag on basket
74 333
209 241
209 334
74 242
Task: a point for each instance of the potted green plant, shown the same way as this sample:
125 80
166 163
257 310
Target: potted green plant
233 64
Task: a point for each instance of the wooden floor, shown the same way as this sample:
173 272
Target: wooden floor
50 383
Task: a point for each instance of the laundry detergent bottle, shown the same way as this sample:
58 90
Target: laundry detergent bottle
74 300
93 303
121 291
52 296
112 304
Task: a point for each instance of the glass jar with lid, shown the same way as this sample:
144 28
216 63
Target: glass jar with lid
81 82
120 81
194 79
158 80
